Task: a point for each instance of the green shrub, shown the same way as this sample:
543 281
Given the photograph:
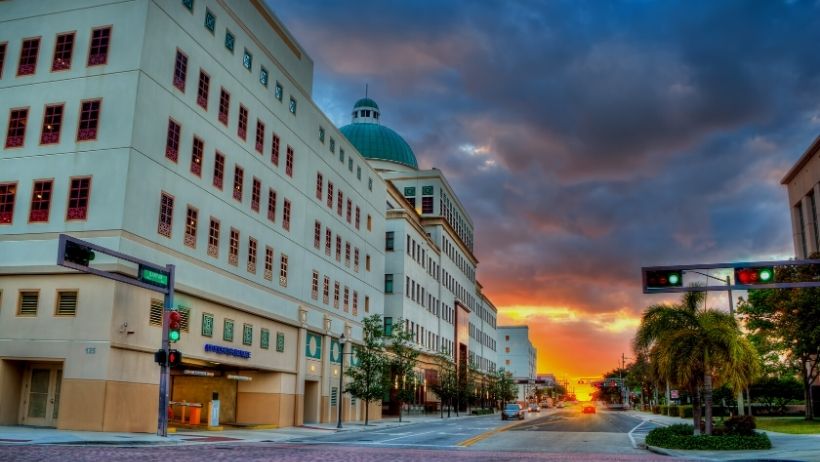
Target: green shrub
482 411
673 410
680 437
662 409
685 412
743 425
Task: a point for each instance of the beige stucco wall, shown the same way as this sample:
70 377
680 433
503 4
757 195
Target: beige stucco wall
11 381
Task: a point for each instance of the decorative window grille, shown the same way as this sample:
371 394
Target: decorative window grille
166 214
230 41
207 325
227 330
247 60
210 21
278 91
247 334
264 339
283 270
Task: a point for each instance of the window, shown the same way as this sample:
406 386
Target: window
370 184
213 238
286 215
389 240
238 178
314 286
2 57
326 290
242 128
292 106
252 255
263 76
27 303
356 259
233 250
210 24
207 325
66 303
191 220
98 52
388 283
322 134
7 192
247 59
367 262
274 150
260 136
268 262
40 201
319 186
336 295
202 89
346 304
189 4
264 339
339 248
427 204
16 133
63 49
89 118
366 304
330 194
358 217
355 303
317 234
388 326
350 163
28 56
256 194
283 270
272 205
172 140
369 223
219 169
278 92
227 330
166 215
197 152
289 162
339 202
230 40
347 253
342 156
349 211
358 172
78 198
328 243
332 145
155 312
280 342
224 105
52 123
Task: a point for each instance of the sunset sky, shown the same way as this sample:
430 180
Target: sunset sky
586 138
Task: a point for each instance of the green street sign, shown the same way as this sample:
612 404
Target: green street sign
153 277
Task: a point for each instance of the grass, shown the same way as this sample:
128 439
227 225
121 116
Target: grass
793 425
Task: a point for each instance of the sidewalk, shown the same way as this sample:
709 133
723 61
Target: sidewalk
36 435
785 447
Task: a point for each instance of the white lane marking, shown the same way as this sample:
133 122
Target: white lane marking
375 443
405 436
641 435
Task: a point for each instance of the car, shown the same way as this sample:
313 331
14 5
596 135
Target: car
512 411
589 409
534 408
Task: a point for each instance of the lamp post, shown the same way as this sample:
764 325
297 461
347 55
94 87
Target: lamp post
341 378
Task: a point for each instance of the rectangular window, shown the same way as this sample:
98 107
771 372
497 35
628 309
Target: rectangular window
263 76
314 286
89 119
66 303
40 201
332 145
369 223
264 339
347 253
286 215
256 194
230 40
52 123
342 156
191 221
388 326
326 290
278 91
202 89
172 140
16 133
356 259
280 342
289 162
338 248
247 59
227 330
272 205
317 234
358 217
197 152
268 263
339 202
210 24
292 105
63 49
358 173
166 215
252 255
322 135
238 178
233 250
427 204
2 58
355 303
328 241
242 128
388 283
389 240
7 194
155 313
336 295
366 304
367 262
207 325
28 302
346 304
98 51
283 270
224 105
260 136
349 211
213 238
274 150
219 169
330 194
28 57
350 163
78 196
319 186
180 70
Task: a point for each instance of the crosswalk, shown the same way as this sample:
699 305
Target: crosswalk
638 434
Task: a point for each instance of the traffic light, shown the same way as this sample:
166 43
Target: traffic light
659 279
174 324
752 276
174 358
78 254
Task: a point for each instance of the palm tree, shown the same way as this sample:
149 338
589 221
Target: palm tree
698 348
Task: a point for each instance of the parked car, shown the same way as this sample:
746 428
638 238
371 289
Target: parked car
512 411
534 408
589 409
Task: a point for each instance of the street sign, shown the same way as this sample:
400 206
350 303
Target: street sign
153 277
673 394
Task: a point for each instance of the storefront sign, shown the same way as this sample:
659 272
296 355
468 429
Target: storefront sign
209 348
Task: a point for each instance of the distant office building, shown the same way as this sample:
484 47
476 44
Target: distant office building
518 356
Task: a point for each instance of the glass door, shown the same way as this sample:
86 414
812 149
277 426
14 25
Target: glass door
42 399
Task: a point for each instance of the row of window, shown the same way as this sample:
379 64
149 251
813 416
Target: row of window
346 212
414 291
422 337
41 197
337 294
317 244
455 256
28 302
482 337
458 223
350 163
52 125
61 60
426 198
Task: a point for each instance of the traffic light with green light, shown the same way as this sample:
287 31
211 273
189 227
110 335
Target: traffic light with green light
78 254
174 324
752 276
661 279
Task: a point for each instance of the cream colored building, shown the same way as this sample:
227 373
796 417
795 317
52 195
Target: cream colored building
803 184
181 132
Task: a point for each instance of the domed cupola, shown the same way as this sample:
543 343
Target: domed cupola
375 141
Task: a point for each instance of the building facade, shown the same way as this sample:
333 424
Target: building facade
518 357
181 132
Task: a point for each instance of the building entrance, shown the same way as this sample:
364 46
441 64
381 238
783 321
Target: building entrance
41 395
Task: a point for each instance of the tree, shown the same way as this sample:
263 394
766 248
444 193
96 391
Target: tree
504 388
445 386
775 393
402 363
367 382
697 348
789 321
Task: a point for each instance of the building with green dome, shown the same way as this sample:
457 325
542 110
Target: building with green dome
384 148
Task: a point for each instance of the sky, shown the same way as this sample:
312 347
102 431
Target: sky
586 138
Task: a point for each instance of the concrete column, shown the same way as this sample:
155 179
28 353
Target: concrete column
808 219
301 344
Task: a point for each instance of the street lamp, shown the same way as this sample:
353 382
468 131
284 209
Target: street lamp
341 377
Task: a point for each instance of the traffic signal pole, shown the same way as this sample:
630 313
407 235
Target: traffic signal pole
165 370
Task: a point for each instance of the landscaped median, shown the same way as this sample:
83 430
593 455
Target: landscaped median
680 436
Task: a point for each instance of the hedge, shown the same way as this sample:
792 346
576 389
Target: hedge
482 411
680 436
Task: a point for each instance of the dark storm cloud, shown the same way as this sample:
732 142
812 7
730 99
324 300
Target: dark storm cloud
587 138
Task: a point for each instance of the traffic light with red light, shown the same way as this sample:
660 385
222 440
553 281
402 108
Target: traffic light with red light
752 276
78 254
661 279
174 358
174 324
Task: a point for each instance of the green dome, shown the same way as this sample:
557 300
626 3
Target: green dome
365 102
378 142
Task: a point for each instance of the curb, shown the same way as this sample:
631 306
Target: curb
658 450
